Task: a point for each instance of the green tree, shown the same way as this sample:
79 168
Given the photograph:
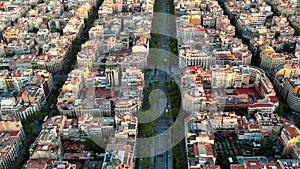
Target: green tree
150 87
46 108
156 83
287 47
153 124
280 109
54 112
154 59
19 162
175 111
90 145
169 115
177 160
59 83
171 60
144 162
147 70
266 147
147 116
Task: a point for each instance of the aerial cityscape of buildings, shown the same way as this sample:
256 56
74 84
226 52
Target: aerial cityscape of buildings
75 76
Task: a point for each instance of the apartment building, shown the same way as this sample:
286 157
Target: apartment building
85 92
257 45
84 10
70 90
4 23
270 124
2 50
71 131
209 40
227 88
113 75
286 82
288 138
291 91
194 97
224 121
57 122
252 25
42 36
226 77
199 140
96 32
140 24
74 28
29 101
138 53
256 164
25 91
294 21
97 127
223 23
284 8
247 131
147 6
282 27
295 152
106 8
63 165
12 137
123 154
47 85
193 57
13 11
11 34
131 91
138 60
90 50
47 147
52 60
189 27
269 59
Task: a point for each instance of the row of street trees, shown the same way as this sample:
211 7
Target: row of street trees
155 58
177 160
172 92
172 89
146 130
36 119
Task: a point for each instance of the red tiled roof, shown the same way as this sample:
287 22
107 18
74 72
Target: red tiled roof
13 133
248 91
280 139
286 121
194 68
293 131
196 152
237 166
253 163
261 105
72 155
274 99
254 126
207 147
266 133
